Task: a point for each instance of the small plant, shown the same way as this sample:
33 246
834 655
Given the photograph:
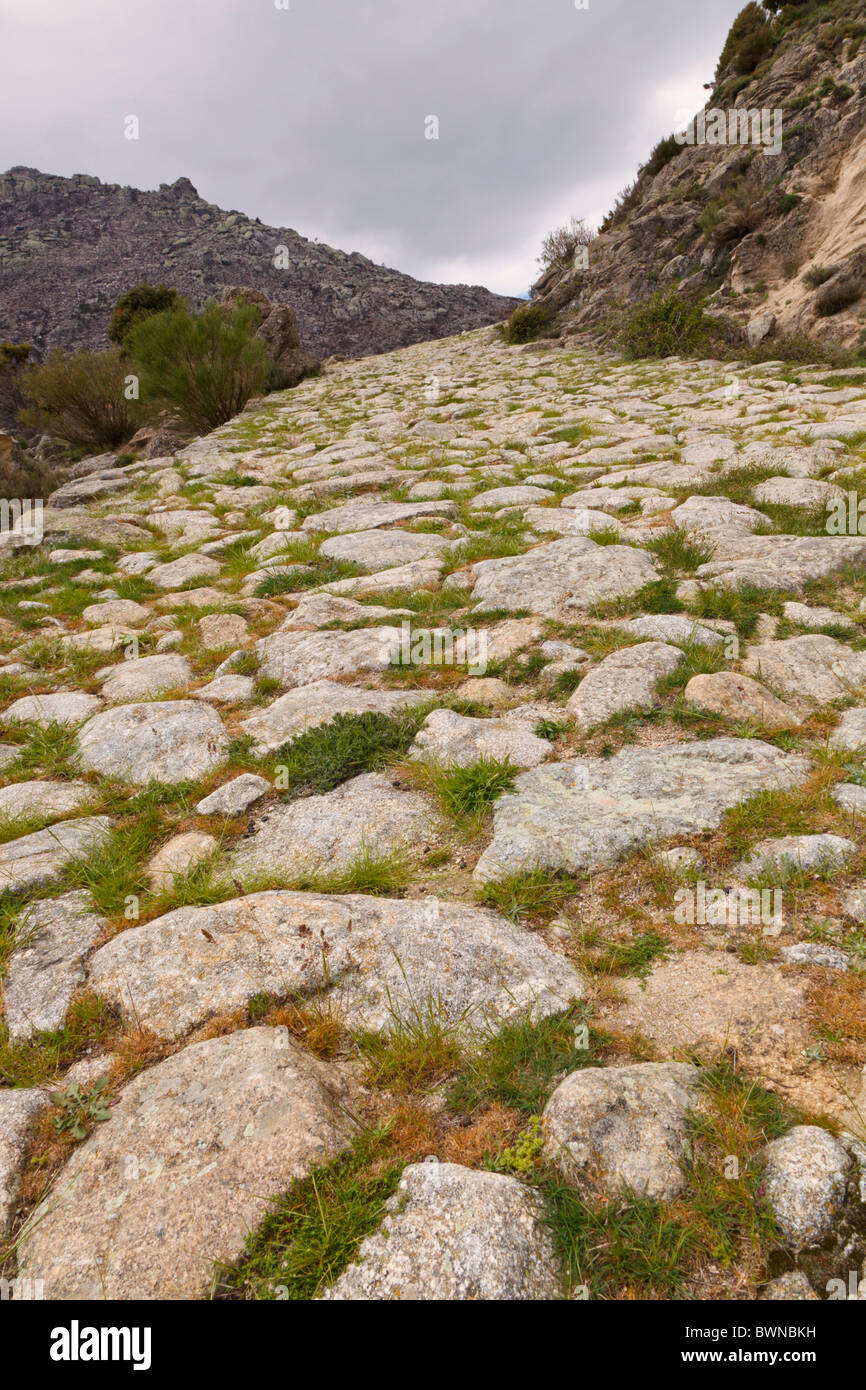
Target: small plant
467 792
522 1157
79 1109
838 296
420 1047
518 1064
525 324
527 893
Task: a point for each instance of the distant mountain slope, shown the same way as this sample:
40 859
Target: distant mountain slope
70 246
775 238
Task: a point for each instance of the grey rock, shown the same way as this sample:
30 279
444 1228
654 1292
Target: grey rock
317 703
234 797
378 956
810 853
585 812
175 573
454 1234
791 1287
806 1173
45 970
23 799
453 740
672 627
69 707
850 732
623 1128
167 741
321 834
814 665
624 680
367 513
815 953
380 550
851 797
37 859
197 1148
146 676
562 578
299 658
18 1111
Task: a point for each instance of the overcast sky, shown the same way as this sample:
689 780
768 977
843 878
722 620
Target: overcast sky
313 116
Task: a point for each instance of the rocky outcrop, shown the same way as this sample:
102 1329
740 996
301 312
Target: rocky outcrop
69 247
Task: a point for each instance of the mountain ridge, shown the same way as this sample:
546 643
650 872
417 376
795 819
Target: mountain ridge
112 236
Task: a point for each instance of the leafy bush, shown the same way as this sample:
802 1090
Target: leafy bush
136 305
561 245
205 366
663 153
79 397
525 323
837 297
749 40
663 326
818 275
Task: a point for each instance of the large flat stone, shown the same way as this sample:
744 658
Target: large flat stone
320 834
377 956
586 812
561 579
779 562
167 741
196 1149
380 550
622 681
316 703
297 658
19 1110
815 666
453 740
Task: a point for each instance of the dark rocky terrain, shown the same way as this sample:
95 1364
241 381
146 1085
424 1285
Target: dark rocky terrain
70 246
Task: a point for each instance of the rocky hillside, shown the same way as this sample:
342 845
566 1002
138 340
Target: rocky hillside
775 237
491 764
70 247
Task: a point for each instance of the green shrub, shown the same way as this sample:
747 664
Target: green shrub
749 40
837 297
136 305
525 323
663 326
79 397
348 745
205 366
663 153
818 275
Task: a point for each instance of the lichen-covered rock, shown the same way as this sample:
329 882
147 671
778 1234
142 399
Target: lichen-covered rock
736 696
624 680
18 1111
806 1173
366 816
196 1149
623 1128
381 958
308 706
561 579
37 859
586 812
453 1234
167 741
43 972
454 740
